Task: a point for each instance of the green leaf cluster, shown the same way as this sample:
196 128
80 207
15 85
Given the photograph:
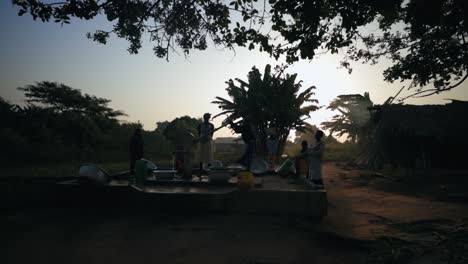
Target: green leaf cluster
272 100
353 118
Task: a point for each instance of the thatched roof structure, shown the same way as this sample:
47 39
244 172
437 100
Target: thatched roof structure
418 135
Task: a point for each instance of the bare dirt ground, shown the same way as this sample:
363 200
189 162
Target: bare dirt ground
361 213
362 208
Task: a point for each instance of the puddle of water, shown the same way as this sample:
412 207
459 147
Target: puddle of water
187 189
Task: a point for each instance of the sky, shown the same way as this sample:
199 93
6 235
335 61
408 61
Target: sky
149 89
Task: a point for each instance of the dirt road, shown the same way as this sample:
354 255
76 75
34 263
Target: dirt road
357 211
362 209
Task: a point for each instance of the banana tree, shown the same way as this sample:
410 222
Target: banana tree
353 116
272 101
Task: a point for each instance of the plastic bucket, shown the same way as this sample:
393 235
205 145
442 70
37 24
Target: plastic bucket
303 167
140 170
286 166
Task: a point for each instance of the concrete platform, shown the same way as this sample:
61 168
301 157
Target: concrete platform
271 195
278 196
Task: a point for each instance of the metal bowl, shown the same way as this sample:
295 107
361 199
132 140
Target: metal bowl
258 166
91 173
215 163
150 165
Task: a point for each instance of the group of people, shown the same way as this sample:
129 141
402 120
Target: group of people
312 155
204 142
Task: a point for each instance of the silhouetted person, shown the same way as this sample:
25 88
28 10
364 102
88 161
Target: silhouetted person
315 154
135 147
297 162
272 146
205 150
247 132
304 146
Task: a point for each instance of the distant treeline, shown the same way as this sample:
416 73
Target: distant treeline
59 123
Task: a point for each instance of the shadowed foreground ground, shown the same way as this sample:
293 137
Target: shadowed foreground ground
365 223
117 237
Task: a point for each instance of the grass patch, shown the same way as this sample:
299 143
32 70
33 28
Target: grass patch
66 169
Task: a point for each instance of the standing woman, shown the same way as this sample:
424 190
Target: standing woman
315 154
135 147
272 146
205 150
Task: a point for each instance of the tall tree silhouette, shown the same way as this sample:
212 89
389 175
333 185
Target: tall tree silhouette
353 116
62 98
273 100
176 130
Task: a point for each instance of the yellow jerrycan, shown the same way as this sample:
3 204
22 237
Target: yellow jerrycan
245 180
303 168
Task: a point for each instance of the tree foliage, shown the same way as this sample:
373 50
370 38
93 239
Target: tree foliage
62 98
60 124
176 130
353 116
273 100
424 39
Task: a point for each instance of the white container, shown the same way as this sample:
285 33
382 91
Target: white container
220 175
164 174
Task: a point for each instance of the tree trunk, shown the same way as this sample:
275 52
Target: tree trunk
282 138
262 149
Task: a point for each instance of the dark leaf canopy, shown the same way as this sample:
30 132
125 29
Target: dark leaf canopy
271 100
62 98
353 116
176 130
424 39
